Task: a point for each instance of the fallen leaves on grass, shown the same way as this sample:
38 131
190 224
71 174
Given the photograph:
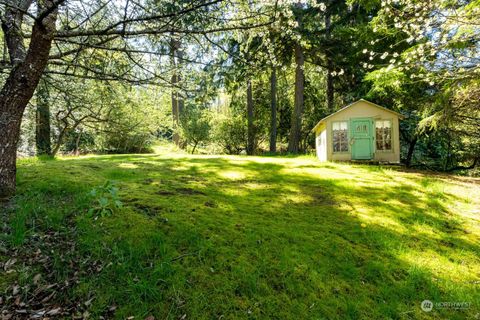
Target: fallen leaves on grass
45 295
9 264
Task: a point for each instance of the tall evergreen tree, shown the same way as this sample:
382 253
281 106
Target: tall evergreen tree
42 125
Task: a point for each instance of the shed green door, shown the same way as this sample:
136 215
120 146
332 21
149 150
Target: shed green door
362 138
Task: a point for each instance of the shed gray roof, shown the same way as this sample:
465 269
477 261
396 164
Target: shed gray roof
353 103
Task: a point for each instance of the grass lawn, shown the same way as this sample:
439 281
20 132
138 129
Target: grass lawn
228 237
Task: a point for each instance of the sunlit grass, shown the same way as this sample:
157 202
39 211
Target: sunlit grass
238 237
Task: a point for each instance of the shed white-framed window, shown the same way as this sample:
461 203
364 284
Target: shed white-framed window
340 136
383 135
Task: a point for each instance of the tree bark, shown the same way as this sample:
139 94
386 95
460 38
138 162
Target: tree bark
42 125
175 113
77 143
273 110
250 128
330 89
411 148
194 147
21 83
473 165
296 123
180 96
180 99
176 136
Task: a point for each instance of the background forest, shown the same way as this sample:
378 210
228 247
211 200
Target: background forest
262 81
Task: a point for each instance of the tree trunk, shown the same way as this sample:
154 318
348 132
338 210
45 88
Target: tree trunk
250 129
8 152
59 141
20 84
176 136
411 148
296 124
77 143
179 54
175 114
180 96
194 147
473 165
330 89
273 111
447 161
42 126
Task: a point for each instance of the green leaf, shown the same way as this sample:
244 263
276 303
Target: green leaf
103 202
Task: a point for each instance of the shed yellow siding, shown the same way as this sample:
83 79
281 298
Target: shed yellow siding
362 109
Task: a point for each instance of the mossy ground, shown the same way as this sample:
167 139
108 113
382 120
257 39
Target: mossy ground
226 237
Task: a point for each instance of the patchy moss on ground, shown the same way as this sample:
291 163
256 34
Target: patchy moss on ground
205 237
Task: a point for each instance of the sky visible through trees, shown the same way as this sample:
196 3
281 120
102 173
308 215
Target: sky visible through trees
116 75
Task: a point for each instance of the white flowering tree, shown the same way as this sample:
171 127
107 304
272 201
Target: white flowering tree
436 60
443 38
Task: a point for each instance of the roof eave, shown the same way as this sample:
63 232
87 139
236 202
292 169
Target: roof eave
399 115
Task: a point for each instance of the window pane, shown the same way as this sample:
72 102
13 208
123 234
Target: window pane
345 143
383 134
378 137
340 136
388 139
344 140
336 142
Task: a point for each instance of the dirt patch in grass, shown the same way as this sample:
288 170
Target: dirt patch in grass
92 166
165 193
181 190
147 181
190 178
211 204
189 191
150 211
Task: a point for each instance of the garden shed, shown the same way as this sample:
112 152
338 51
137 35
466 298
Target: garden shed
360 131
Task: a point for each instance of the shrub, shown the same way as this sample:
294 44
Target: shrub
231 134
195 127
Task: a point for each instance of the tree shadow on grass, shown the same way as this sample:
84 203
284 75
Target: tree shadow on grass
269 244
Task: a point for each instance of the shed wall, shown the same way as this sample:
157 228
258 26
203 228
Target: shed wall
321 144
362 109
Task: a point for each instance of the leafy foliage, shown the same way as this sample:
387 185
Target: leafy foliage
417 58
195 126
230 133
106 200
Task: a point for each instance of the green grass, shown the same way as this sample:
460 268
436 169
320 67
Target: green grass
230 237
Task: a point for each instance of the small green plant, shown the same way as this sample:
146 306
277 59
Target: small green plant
106 200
